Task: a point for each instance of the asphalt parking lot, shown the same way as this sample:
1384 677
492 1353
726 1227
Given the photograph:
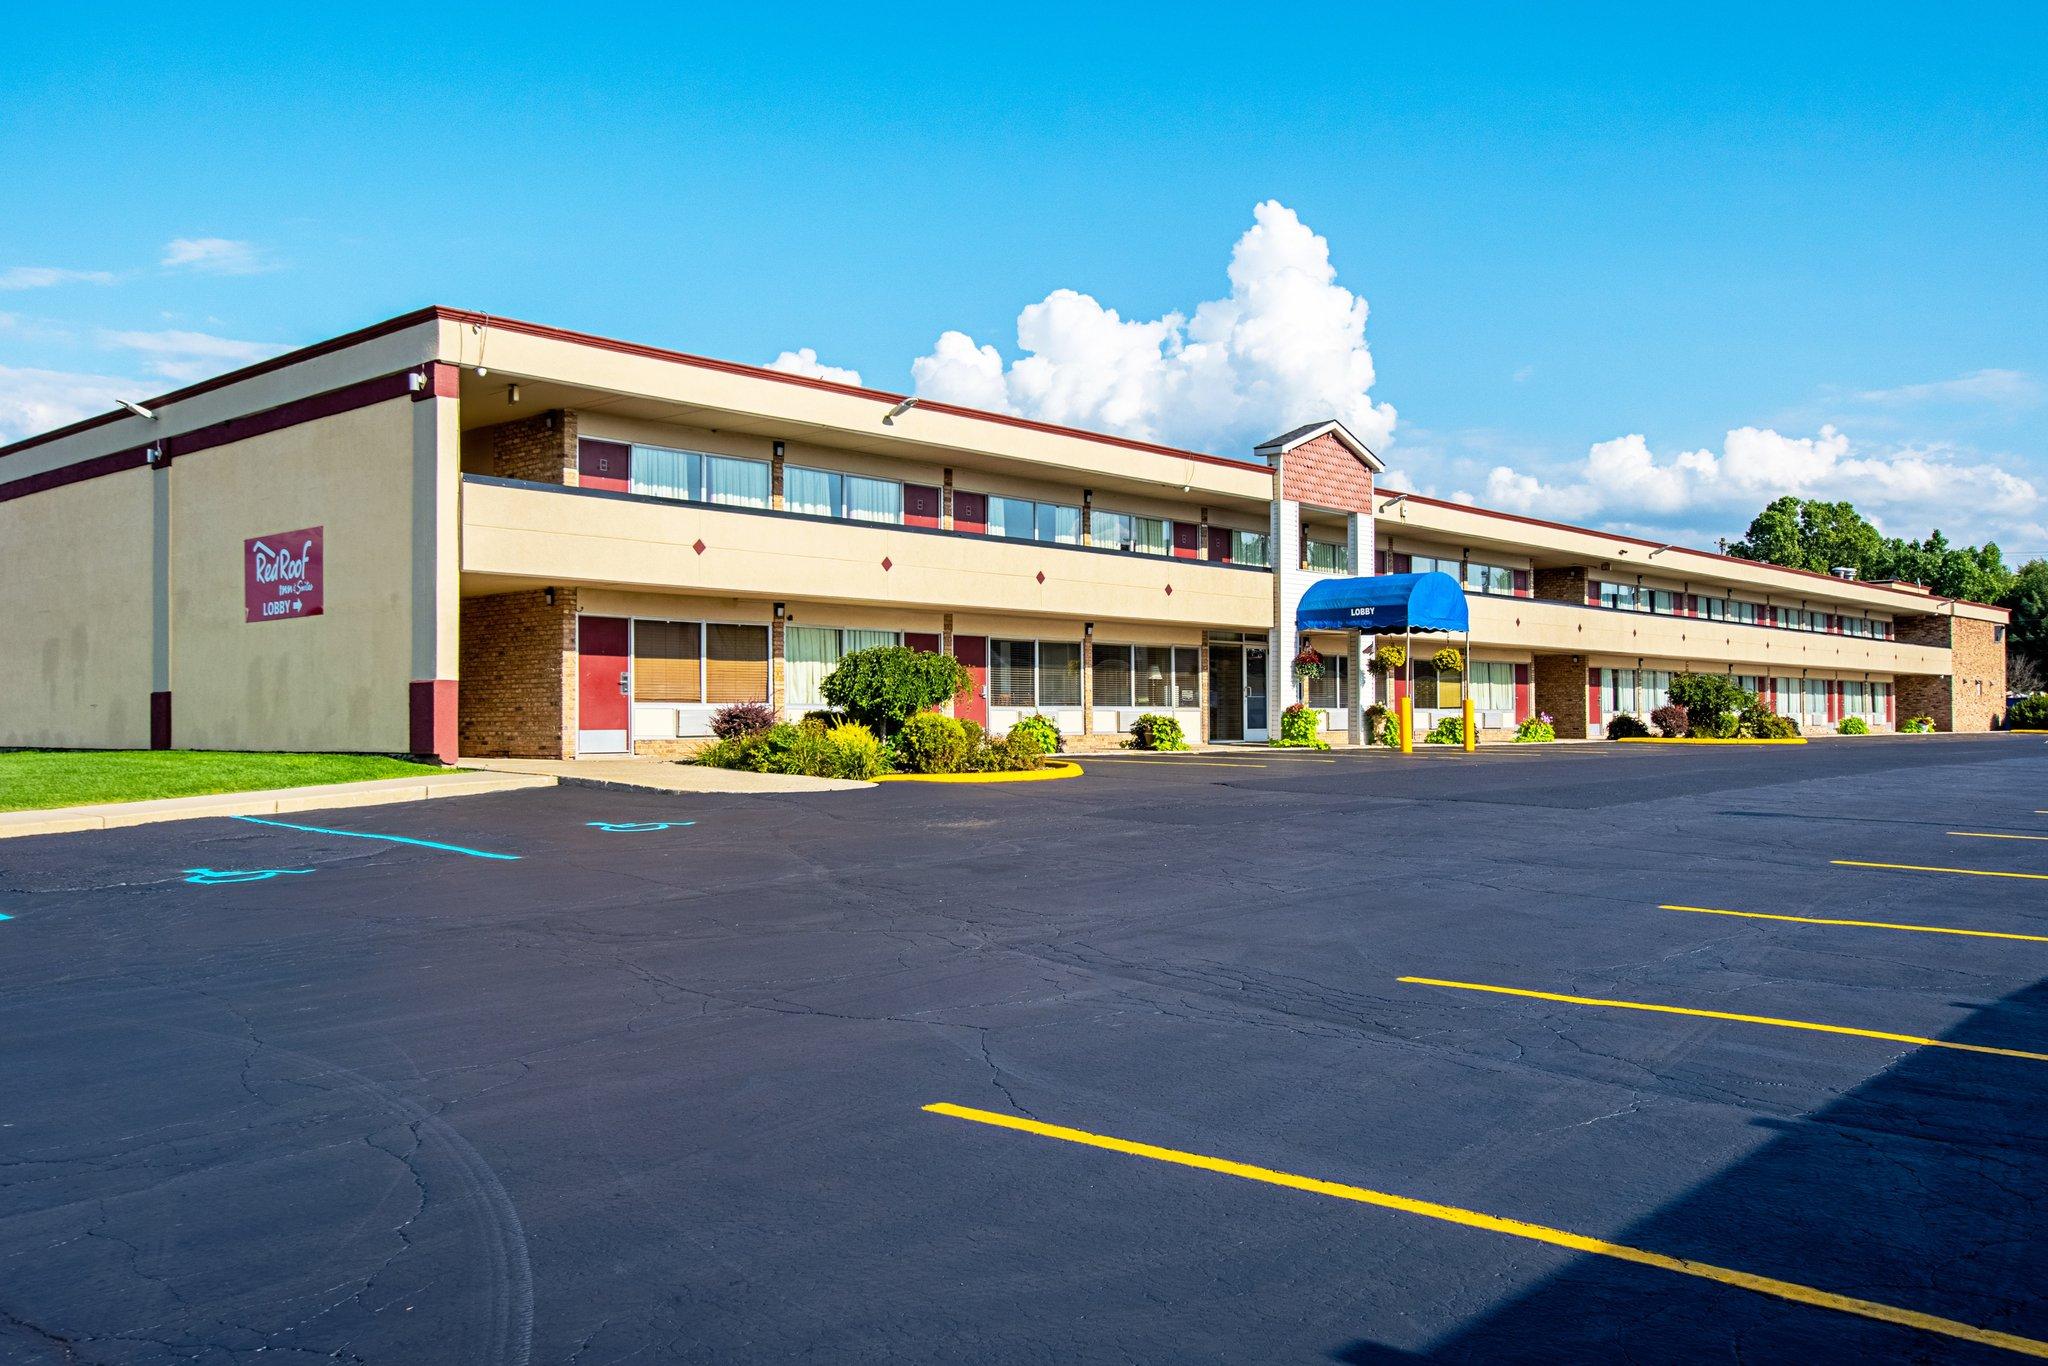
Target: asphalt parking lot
1568 1054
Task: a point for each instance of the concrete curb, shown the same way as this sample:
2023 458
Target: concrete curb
270 802
1052 772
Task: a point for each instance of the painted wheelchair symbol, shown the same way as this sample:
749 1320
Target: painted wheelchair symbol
636 827
214 877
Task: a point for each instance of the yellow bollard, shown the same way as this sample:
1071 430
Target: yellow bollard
1471 731
1407 724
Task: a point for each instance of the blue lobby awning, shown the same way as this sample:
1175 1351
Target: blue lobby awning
1383 603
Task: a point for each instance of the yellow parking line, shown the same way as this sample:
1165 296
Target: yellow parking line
1725 1015
1987 835
1862 924
1922 868
1513 1228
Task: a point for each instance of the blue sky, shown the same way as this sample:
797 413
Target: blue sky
1594 242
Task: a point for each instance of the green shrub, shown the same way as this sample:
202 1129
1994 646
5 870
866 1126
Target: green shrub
2029 713
1626 727
1376 727
852 751
1917 725
824 720
1853 725
1449 660
845 751
930 743
1388 659
1016 751
1537 730
1768 725
1722 727
1299 725
1154 731
1041 729
1449 731
882 687
1670 720
1707 696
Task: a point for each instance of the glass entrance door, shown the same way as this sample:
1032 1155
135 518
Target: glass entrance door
1226 692
1254 692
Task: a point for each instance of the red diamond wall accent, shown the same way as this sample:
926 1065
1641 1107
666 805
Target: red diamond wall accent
886 565
1041 576
1169 590
699 546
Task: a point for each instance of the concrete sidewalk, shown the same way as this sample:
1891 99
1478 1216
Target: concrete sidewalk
661 775
267 802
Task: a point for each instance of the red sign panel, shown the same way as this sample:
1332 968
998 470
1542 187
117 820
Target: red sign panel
282 575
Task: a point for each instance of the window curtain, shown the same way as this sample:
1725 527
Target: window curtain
1111 530
1059 524
665 473
1010 517
736 483
874 500
868 640
808 653
1113 676
1059 674
666 661
1150 536
1249 547
808 490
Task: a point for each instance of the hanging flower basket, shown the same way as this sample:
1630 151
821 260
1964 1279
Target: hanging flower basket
1308 664
1388 659
1448 660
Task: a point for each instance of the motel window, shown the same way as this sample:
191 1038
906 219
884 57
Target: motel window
1248 547
1493 685
1125 531
811 652
1325 557
1329 691
1431 564
1145 676
828 493
1022 519
692 476
1034 673
1152 536
1489 578
1059 524
668 663
1635 691
735 663
1113 676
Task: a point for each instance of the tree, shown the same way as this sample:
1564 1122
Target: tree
2028 599
1807 533
882 686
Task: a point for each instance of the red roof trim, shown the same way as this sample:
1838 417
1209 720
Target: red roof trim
1921 594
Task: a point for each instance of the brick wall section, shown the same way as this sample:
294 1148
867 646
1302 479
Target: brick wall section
1560 688
1323 474
1560 585
541 448
1973 698
518 697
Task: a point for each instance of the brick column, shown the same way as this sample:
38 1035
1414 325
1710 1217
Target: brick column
1202 537
540 448
946 518
518 696
778 694
1560 688
775 483
1202 689
1088 677
1087 519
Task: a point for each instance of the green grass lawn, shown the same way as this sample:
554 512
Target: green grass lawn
34 780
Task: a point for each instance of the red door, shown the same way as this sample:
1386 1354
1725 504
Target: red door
921 640
920 505
1186 539
601 701
604 465
970 512
972 705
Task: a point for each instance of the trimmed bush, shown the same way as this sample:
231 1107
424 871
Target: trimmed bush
1154 731
1853 725
1449 731
1626 727
2029 713
826 719
742 718
1298 729
1707 696
1537 730
1717 728
1768 725
852 751
930 743
1670 720
845 751
1917 725
884 686
1042 730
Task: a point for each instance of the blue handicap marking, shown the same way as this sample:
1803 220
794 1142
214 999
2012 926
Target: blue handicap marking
371 835
213 877
636 827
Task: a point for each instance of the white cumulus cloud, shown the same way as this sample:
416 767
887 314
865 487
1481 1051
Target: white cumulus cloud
181 355
1286 346
214 256
804 361
46 277
33 401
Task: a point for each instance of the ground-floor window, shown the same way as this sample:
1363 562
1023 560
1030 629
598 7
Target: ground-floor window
1034 673
1493 686
703 662
1635 691
1145 675
1805 700
811 652
1329 691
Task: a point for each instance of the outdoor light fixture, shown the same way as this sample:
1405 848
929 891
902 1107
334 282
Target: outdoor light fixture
1658 551
511 393
136 408
889 418
549 594
1394 502
781 610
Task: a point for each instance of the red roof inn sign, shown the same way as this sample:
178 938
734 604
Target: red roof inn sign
282 575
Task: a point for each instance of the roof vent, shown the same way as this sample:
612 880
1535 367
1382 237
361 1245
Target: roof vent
1843 571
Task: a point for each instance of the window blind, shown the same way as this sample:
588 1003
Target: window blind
665 661
736 664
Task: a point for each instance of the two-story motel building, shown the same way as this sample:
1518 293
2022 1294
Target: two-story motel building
452 534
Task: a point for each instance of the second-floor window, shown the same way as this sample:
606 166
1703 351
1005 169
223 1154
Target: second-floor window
828 493
1246 547
1126 531
1024 520
693 476
1325 557
1489 578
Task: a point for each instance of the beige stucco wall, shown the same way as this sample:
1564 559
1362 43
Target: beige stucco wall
75 616
548 536
1552 627
336 681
